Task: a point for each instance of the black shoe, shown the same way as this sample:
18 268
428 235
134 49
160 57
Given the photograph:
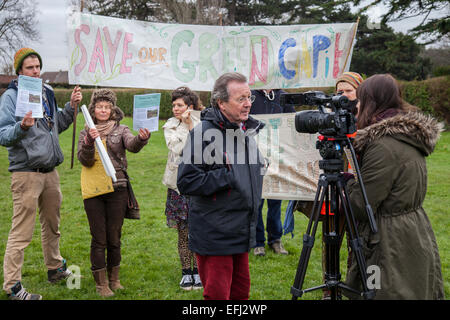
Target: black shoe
58 274
19 293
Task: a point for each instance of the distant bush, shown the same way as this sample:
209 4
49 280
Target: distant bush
441 71
431 95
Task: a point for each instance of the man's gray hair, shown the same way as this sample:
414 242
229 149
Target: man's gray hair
220 91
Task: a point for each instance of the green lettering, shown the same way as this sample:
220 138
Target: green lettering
181 37
208 46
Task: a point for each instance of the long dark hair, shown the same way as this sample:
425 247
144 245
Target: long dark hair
377 94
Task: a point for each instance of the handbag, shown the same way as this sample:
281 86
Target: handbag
132 211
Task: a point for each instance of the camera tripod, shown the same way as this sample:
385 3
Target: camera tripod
332 191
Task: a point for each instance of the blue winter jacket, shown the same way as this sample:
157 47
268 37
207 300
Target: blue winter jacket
38 147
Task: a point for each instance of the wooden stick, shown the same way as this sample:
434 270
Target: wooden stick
74 134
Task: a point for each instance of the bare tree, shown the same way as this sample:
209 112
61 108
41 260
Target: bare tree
18 21
205 12
7 69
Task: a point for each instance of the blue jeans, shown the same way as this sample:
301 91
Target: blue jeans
274 227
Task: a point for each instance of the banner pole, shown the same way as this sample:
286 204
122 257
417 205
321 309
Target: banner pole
351 44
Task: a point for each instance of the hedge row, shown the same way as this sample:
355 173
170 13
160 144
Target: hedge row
432 96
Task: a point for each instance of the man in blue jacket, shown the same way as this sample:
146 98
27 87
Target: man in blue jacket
267 101
33 152
221 170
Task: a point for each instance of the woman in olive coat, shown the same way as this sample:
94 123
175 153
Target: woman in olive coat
392 142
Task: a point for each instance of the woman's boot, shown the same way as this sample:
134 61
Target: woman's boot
113 276
101 283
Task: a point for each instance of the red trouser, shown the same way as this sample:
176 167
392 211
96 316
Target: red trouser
224 277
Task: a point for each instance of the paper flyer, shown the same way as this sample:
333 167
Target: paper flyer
29 97
146 111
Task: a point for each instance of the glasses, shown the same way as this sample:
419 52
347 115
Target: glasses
103 107
244 99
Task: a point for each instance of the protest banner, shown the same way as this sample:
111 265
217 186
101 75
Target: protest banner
112 52
293 159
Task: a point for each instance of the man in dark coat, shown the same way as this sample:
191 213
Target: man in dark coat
267 101
222 172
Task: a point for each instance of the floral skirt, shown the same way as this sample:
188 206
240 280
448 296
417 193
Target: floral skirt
177 208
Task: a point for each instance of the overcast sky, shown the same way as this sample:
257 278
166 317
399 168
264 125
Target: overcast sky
53 44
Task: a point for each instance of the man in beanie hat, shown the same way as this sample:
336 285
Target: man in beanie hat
21 55
346 85
34 152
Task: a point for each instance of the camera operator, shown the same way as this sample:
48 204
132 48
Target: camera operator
346 85
392 143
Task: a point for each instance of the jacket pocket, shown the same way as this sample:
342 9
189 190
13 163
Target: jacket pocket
115 138
41 150
222 210
371 246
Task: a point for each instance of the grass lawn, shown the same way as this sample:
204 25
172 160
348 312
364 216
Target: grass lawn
150 264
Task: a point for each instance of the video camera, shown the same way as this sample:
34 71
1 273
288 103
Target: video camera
339 122
336 129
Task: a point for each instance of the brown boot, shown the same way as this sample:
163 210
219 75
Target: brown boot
101 283
113 276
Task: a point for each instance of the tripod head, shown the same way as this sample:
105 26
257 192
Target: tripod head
331 149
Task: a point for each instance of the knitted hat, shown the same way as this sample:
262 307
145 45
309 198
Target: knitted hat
103 95
21 54
353 78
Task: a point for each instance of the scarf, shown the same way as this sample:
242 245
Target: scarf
104 129
388 113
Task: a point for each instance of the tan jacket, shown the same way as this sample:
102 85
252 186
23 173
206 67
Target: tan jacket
117 142
176 134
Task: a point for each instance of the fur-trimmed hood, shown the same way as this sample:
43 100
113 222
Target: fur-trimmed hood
415 128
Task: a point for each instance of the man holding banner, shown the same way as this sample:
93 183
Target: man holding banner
34 153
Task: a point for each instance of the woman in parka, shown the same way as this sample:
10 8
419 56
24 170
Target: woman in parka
392 142
106 209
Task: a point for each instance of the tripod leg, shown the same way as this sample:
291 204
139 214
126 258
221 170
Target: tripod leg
332 244
308 241
355 242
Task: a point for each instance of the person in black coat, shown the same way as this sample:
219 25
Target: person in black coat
221 170
268 102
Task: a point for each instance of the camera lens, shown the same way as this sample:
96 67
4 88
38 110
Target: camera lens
311 121
306 121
